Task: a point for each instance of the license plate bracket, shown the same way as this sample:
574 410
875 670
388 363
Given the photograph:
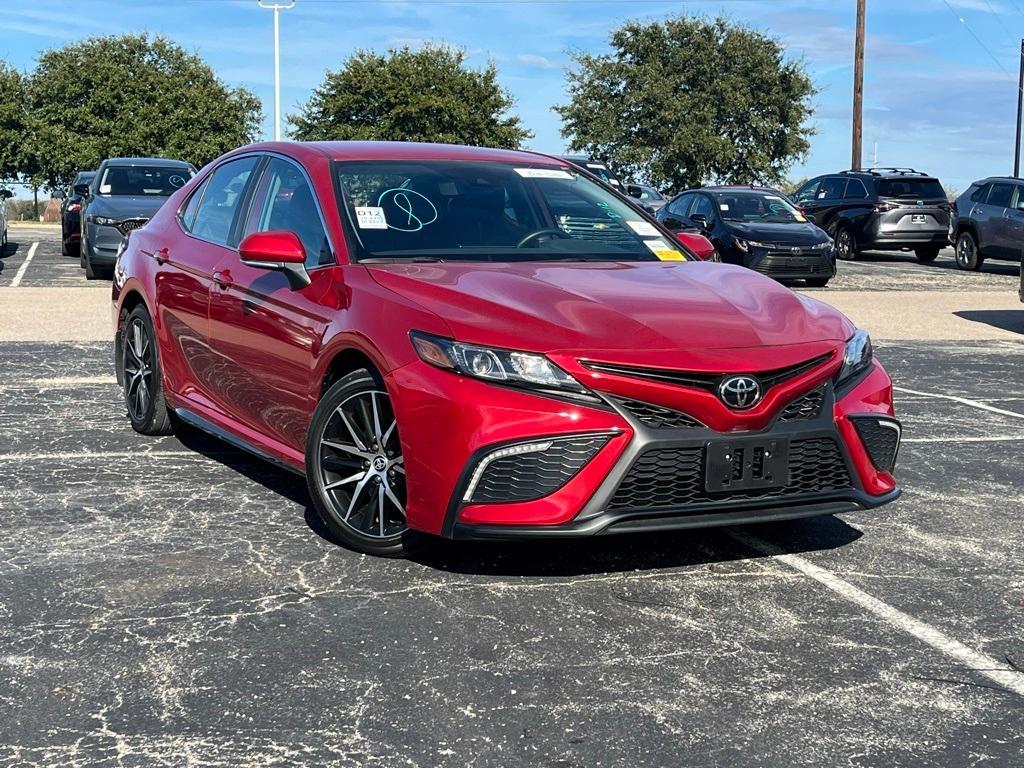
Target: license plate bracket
746 464
918 218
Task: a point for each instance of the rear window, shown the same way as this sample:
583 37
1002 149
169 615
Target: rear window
906 188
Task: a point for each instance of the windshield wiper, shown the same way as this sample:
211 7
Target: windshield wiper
402 260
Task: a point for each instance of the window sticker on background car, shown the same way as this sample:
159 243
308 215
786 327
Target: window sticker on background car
104 189
176 181
370 217
544 173
644 229
412 210
723 206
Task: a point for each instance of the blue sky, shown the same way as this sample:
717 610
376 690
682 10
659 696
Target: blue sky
940 88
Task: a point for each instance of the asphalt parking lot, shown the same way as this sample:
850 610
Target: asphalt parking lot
172 601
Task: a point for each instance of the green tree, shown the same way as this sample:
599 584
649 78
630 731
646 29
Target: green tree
690 100
130 95
12 121
406 95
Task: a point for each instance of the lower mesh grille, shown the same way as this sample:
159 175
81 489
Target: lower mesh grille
528 476
673 477
806 407
881 438
657 417
130 225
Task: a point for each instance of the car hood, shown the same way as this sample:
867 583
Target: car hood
793 233
126 206
614 306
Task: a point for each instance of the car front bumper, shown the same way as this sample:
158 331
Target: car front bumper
792 264
638 477
102 243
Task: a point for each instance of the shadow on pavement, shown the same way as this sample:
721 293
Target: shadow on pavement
1006 319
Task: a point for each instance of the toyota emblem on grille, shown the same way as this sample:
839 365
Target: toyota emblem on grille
796 251
740 392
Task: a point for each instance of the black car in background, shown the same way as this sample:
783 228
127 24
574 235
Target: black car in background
122 196
71 215
888 209
596 167
988 222
756 227
648 197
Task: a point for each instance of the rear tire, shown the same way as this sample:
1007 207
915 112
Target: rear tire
846 248
967 255
928 254
355 470
143 385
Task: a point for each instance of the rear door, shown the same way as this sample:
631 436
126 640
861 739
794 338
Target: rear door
186 258
913 205
1015 224
996 228
267 335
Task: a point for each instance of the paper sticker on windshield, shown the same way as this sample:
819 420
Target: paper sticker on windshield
799 216
724 206
670 255
370 217
644 229
543 173
657 245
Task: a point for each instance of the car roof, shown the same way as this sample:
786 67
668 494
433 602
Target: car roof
734 188
160 161
885 173
400 150
987 179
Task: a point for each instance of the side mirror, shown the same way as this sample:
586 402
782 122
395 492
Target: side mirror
699 219
81 189
702 248
6 194
278 251
673 223
810 218
634 192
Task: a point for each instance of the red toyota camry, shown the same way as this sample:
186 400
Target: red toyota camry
480 343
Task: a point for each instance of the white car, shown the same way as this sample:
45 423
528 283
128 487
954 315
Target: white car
5 195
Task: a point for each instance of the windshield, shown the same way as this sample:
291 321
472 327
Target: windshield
756 206
142 180
439 210
915 188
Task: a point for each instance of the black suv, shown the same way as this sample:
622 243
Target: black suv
71 215
886 209
988 222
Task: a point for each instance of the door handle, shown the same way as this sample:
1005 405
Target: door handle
162 256
223 279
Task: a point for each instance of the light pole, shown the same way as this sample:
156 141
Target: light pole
277 7
858 86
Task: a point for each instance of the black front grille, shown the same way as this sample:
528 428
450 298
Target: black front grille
805 407
130 225
657 417
881 438
781 264
528 476
706 381
674 477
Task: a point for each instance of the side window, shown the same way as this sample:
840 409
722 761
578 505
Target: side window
832 188
1018 197
188 215
980 194
999 195
855 189
680 206
216 211
808 191
702 204
286 202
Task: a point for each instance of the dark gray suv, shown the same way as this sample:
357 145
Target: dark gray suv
122 196
988 222
885 209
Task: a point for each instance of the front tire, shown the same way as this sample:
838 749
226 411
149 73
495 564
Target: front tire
846 248
355 469
817 282
968 257
927 254
142 381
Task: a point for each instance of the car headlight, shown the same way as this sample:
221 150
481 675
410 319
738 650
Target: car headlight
493 364
826 246
857 358
103 221
746 245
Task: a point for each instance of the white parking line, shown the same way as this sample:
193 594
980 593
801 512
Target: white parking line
962 400
975 439
24 265
996 671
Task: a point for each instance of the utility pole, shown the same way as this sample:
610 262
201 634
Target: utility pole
1020 108
858 86
277 7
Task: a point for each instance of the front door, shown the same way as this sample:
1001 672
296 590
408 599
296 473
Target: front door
268 335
